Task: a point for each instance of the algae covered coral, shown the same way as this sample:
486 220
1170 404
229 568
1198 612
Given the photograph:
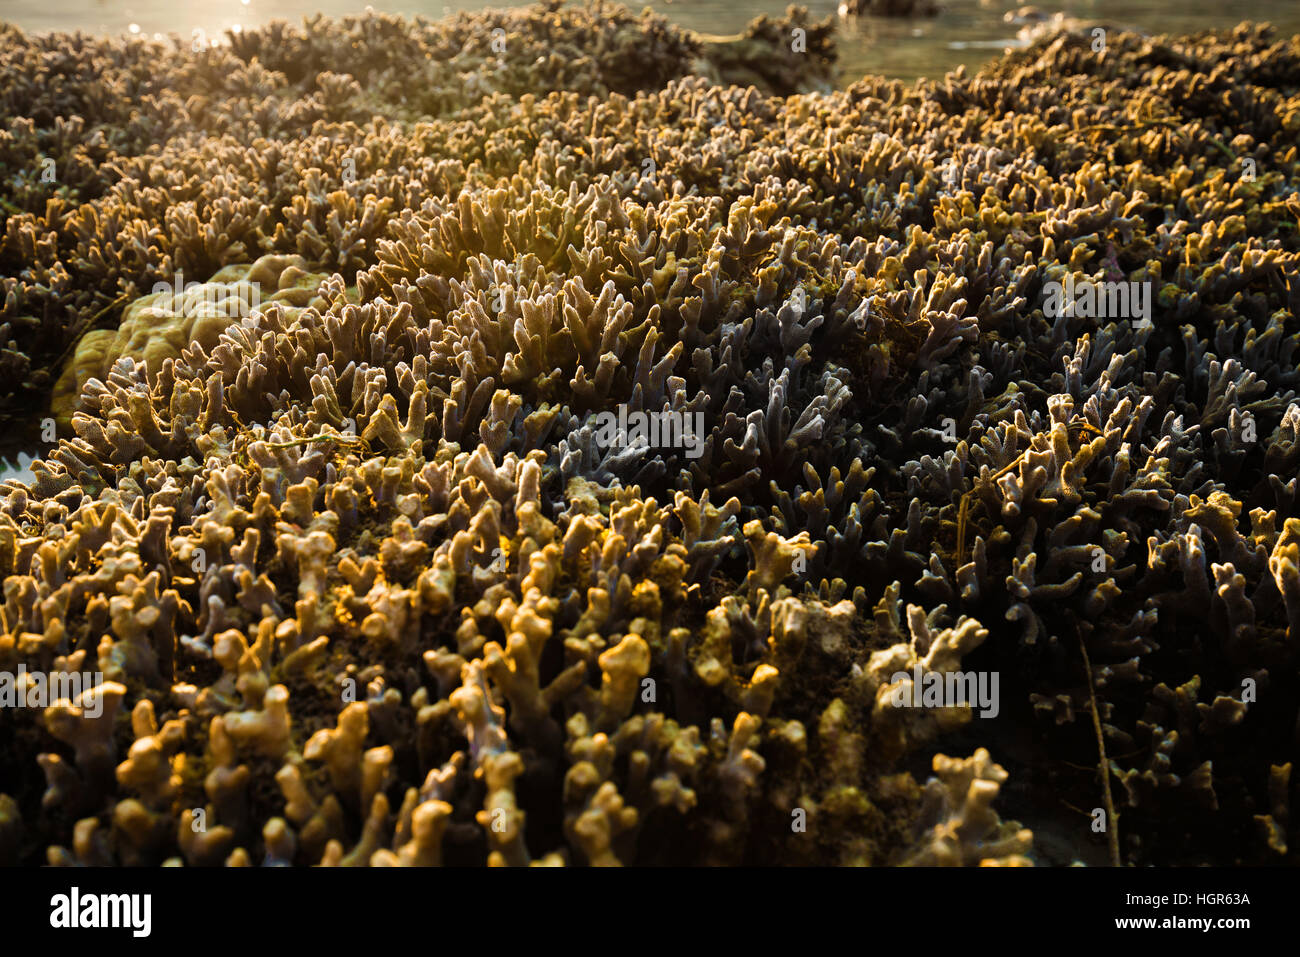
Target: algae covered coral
361 576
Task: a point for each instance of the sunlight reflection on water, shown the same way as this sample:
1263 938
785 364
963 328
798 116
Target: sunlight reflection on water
967 32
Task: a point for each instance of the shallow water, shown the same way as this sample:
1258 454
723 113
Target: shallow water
968 32
17 468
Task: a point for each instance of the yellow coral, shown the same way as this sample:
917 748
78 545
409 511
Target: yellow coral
161 325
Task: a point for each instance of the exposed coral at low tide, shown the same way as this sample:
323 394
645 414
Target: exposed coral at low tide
364 584
161 325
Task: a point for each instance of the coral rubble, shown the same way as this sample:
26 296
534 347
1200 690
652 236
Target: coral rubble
362 580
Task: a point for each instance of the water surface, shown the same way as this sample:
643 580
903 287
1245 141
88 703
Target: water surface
967 32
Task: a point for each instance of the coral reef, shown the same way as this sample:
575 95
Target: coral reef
161 325
363 580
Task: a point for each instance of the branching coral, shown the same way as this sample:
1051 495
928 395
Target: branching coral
616 449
